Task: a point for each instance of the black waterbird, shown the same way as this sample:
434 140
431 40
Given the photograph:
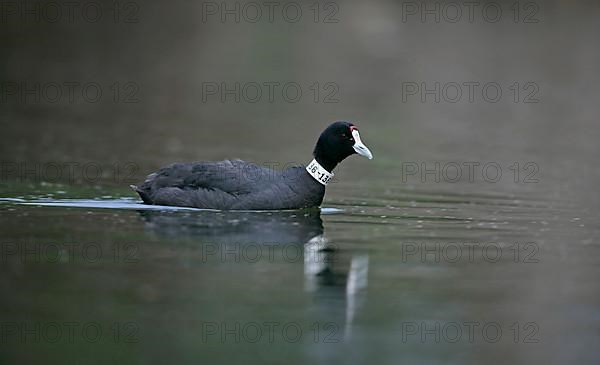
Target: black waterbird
240 185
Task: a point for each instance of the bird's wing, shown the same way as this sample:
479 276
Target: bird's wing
231 176
234 177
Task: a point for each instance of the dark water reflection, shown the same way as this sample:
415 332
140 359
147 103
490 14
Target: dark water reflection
237 227
171 267
335 280
400 279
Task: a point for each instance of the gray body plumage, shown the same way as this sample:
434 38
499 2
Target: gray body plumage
231 185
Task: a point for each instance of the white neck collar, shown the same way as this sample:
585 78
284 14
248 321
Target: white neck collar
318 172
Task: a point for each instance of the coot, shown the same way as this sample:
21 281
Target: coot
240 185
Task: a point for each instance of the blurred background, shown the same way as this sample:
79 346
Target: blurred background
95 95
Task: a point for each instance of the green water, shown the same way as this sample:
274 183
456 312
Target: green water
396 274
408 262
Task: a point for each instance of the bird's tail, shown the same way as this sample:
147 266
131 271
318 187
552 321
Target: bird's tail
141 193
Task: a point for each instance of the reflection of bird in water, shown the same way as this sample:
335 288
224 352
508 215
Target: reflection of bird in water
336 279
280 227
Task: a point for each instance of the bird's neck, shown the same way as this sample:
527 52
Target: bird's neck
327 164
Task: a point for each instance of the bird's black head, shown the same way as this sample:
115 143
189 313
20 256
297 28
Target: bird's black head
338 141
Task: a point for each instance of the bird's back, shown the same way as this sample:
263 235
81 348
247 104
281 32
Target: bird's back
230 184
